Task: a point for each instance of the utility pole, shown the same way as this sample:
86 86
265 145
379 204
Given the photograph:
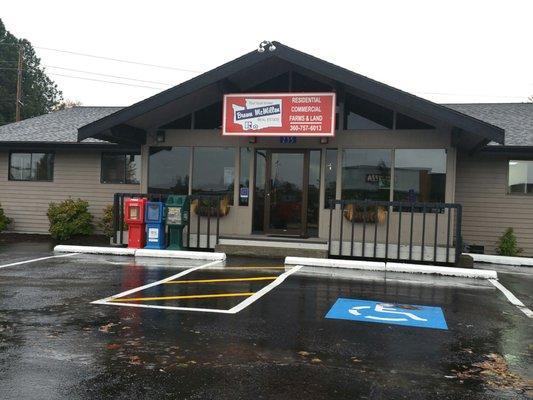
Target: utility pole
19 85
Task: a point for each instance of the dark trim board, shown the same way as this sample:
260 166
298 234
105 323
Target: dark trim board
111 147
350 79
509 150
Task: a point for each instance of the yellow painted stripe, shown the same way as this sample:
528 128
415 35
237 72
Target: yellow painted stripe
193 296
245 268
257 278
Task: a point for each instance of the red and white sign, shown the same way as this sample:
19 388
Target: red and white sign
279 114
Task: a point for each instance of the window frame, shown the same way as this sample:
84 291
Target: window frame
507 191
31 152
125 154
393 167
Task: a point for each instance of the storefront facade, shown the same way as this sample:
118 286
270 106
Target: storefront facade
387 145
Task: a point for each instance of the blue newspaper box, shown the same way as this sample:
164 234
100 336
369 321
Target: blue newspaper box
155 225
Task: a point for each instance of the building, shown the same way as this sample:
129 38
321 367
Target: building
388 145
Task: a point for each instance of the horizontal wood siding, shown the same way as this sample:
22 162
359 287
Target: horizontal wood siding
487 208
76 175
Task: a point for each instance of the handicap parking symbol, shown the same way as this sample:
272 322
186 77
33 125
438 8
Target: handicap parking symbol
388 313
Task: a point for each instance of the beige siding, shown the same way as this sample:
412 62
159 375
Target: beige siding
487 208
76 175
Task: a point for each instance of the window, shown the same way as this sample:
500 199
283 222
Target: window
520 177
363 114
330 176
168 170
214 171
420 175
405 122
31 166
313 193
244 176
260 191
366 174
209 117
180 123
120 168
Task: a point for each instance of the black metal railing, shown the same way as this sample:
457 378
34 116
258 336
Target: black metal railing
360 218
208 203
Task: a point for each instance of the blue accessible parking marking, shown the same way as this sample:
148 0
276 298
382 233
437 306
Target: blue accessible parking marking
388 313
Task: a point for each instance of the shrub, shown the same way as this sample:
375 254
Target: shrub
4 220
70 218
106 223
507 245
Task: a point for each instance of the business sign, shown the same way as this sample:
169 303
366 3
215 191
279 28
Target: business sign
279 114
388 313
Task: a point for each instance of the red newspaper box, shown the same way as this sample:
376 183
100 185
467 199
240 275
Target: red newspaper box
134 217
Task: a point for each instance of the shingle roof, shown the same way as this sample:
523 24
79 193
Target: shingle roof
62 126
515 118
56 127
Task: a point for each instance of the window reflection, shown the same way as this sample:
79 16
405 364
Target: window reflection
366 174
214 171
520 176
168 170
420 175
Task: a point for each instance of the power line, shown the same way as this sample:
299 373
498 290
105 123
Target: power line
118 60
104 81
106 75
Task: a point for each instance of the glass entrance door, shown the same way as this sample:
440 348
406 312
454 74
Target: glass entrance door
286 192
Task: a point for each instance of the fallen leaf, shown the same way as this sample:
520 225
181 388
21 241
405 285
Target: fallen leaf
316 360
105 328
135 360
304 353
113 346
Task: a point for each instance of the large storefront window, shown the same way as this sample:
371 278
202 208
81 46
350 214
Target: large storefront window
330 177
168 170
244 176
420 175
313 193
520 177
366 174
214 171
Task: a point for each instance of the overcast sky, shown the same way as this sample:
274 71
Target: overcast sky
445 51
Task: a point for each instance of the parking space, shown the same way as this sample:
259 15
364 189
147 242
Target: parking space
54 343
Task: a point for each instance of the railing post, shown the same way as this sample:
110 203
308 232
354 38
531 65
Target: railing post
219 200
115 217
121 218
458 234
331 204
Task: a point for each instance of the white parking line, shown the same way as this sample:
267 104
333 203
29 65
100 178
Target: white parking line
245 303
111 301
149 285
512 298
36 259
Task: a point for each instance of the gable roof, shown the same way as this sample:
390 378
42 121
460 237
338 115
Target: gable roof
55 127
515 118
479 130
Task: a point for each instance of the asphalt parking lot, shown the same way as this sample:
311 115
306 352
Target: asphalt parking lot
56 343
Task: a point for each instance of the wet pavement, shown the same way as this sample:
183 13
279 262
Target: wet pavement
55 344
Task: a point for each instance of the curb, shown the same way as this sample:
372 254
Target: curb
507 260
119 251
115 251
394 267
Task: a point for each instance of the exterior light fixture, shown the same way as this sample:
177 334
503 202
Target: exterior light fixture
252 140
160 136
324 140
264 44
